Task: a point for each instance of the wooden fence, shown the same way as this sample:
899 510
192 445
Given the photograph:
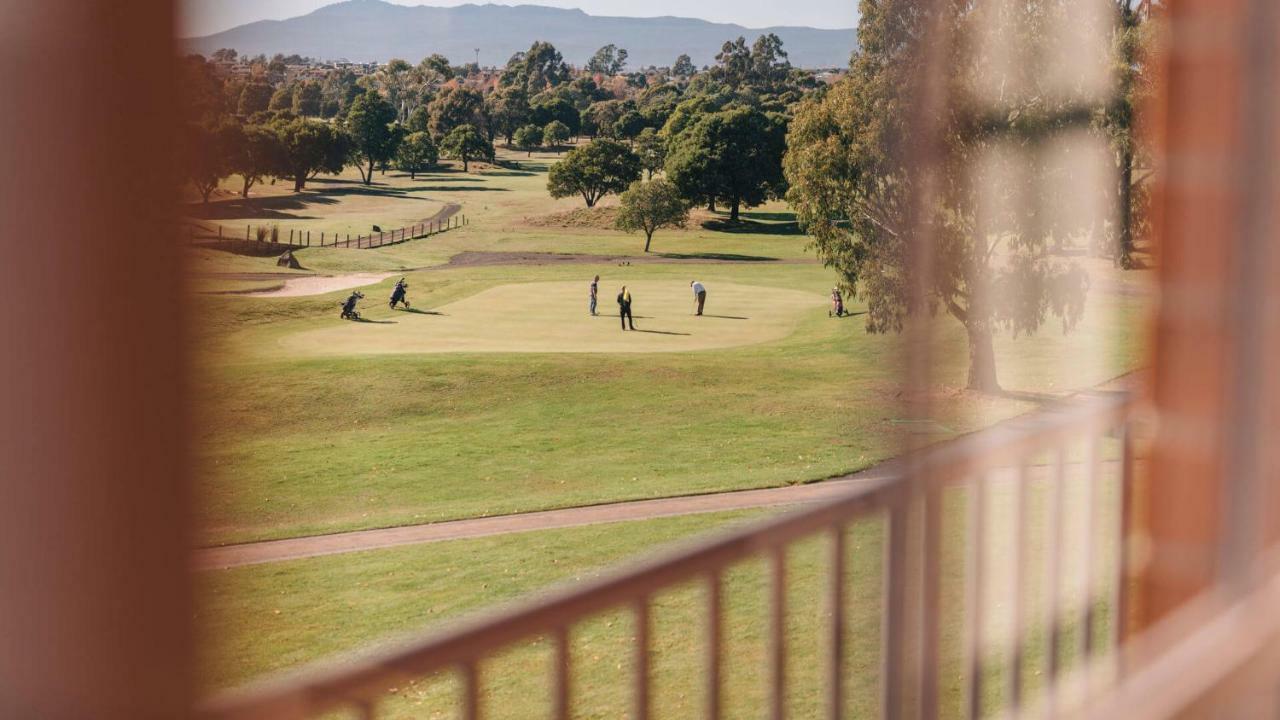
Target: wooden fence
307 238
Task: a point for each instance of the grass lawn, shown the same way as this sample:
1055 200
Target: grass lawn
512 398
261 619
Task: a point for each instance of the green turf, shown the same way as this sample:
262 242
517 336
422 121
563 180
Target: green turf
261 619
339 435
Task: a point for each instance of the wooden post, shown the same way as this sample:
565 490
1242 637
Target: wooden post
291 236
247 229
309 239
219 232
379 238
321 237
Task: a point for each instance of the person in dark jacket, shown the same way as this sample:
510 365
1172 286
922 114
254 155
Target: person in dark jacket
624 308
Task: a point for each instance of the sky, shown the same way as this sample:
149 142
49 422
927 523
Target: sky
203 17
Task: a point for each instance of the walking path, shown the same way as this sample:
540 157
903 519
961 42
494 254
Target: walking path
314 546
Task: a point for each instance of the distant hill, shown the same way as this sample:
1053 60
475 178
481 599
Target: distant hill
372 30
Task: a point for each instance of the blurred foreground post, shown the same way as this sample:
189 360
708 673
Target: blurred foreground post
94 602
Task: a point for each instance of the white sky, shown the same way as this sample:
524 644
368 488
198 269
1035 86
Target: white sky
202 17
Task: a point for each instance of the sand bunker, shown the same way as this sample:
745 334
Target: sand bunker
552 317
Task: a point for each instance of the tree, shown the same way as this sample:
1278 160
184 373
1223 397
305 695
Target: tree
255 155
508 110
651 206
601 168
733 63
225 55
281 100
417 153
683 68
545 111
254 98
529 137
599 119
208 149
465 143
734 155
454 107
852 193
1133 85
555 134
544 67
769 64
629 125
608 60
307 99
651 149
419 121
308 147
369 125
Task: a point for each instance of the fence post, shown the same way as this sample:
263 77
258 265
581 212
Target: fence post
379 237
321 237
247 228
219 232
309 238
300 239
290 236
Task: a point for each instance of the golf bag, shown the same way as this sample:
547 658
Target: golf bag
398 295
349 307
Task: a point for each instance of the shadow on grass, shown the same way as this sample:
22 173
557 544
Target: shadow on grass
723 257
658 332
773 216
416 311
752 227
725 317
376 322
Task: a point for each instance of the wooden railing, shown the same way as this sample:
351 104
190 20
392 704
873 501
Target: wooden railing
912 505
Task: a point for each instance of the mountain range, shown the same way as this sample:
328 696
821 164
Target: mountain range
376 31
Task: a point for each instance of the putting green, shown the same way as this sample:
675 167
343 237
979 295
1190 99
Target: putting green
552 317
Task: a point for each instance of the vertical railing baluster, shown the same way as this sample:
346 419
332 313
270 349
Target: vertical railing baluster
1019 573
893 641
1120 600
715 640
1088 613
777 632
470 690
976 571
560 675
1057 503
931 602
641 670
835 642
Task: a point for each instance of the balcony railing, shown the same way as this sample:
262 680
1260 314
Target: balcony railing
1038 455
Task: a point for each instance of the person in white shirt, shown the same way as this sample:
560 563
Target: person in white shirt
699 294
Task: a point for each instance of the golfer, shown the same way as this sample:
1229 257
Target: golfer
699 294
624 309
595 293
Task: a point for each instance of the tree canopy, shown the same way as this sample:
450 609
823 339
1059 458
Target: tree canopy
417 152
851 190
373 139
465 143
651 206
734 156
600 168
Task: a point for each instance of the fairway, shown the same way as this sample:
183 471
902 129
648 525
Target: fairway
552 317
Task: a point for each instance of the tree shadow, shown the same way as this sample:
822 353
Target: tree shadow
851 314
508 173
659 332
416 311
752 227
774 216
725 317
447 188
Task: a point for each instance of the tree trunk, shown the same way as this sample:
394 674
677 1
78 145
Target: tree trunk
465 164
1124 255
982 358
648 238
368 179
733 209
244 191
299 182
711 205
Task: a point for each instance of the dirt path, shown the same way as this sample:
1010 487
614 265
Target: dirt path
304 547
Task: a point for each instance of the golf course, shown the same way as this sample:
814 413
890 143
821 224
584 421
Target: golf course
496 393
